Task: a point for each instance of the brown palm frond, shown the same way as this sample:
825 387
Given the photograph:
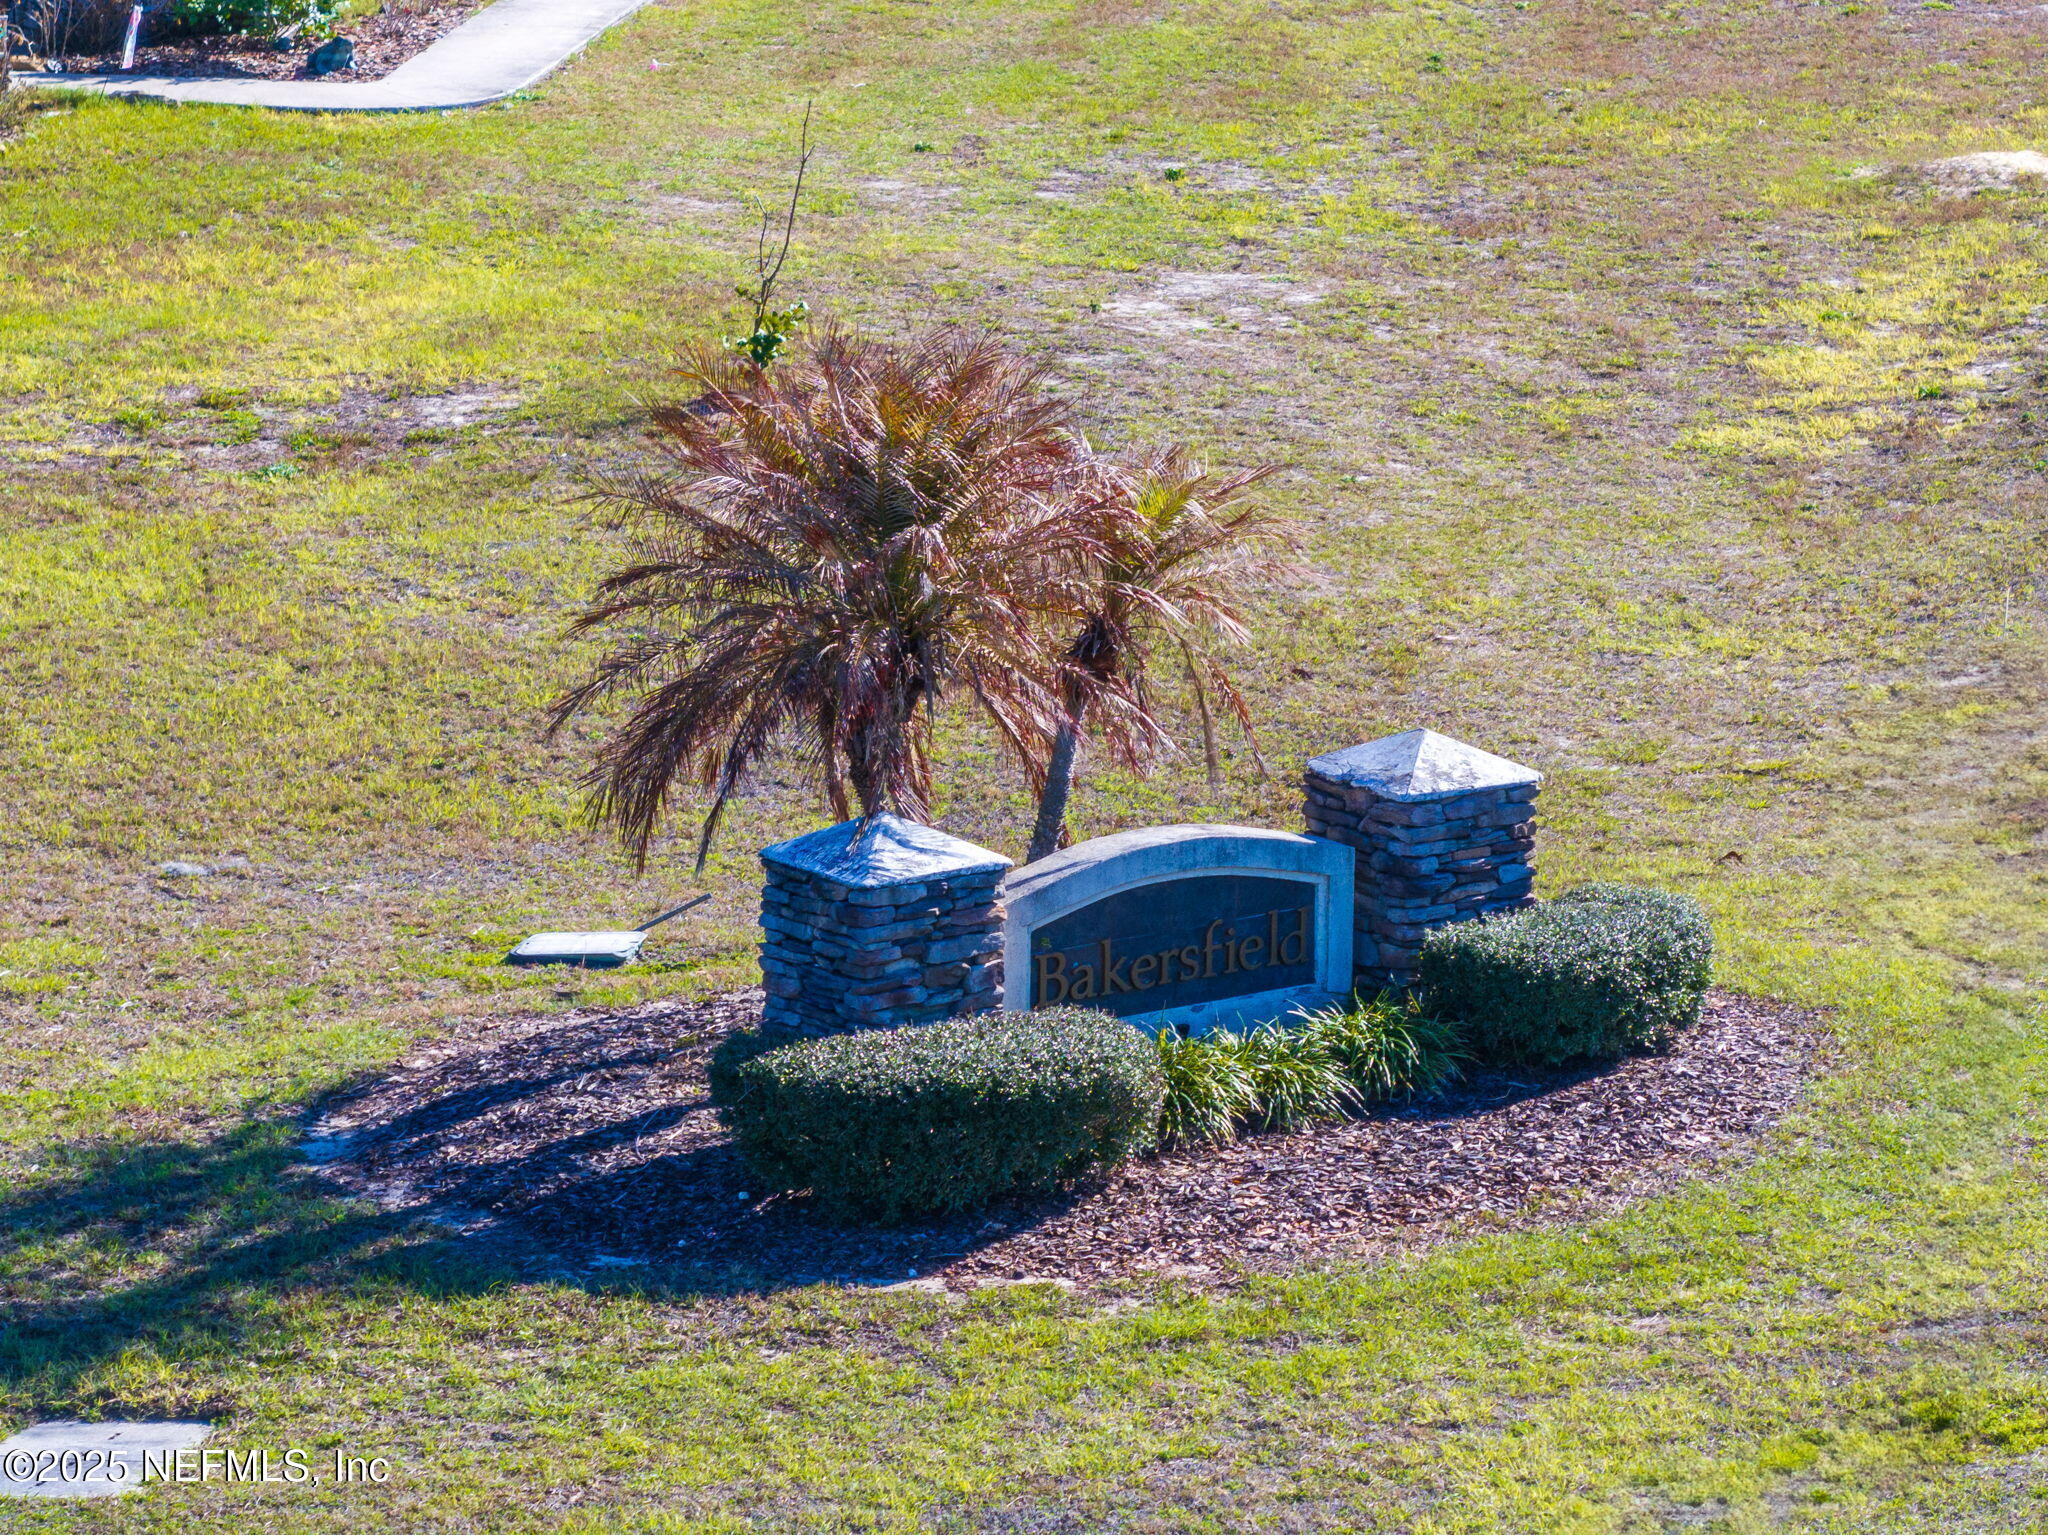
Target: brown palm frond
1180 550
1184 549
822 554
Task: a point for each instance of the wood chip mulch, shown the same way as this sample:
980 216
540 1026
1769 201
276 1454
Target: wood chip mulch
588 1143
383 42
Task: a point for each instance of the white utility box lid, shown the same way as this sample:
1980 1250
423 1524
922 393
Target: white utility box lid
597 951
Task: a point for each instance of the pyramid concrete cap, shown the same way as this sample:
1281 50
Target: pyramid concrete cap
884 851
1420 765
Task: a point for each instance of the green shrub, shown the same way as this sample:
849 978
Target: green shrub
1285 1075
241 18
890 1123
1602 970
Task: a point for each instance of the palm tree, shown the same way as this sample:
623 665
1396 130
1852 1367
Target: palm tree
1179 548
829 549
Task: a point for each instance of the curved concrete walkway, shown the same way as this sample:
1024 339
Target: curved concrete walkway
503 48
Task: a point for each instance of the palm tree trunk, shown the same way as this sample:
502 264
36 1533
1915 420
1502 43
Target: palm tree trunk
835 779
1059 785
1212 756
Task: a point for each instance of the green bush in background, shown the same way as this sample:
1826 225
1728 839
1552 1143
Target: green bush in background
1321 1066
240 18
1602 970
890 1123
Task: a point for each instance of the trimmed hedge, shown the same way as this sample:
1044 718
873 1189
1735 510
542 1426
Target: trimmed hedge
1601 970
886 1124
239 18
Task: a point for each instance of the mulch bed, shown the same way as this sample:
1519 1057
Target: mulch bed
588 1141
383 42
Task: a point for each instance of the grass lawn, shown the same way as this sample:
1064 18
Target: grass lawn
1637 438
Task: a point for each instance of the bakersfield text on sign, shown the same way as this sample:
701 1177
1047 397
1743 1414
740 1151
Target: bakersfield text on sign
1062 976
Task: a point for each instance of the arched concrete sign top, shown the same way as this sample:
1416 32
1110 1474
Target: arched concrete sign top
1191 926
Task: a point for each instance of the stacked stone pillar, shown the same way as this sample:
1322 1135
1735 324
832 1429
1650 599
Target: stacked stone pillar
1444 833
879 924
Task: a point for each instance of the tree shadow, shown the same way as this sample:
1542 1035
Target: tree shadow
184 1250
449 1111
1488 1089
584 1154
187 1251
694 1217
590 1145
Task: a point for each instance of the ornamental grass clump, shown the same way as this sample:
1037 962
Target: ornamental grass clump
1600 971
887 1124
1297 1081
1389 1047
1210 1089
1281 1076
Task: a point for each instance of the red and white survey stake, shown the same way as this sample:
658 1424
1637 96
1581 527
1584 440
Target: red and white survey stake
134 33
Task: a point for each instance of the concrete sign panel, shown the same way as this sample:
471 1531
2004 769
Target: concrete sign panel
1190 926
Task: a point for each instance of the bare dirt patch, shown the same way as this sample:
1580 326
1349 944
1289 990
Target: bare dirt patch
249 435
590 1141
1182 302
899 194
1987 170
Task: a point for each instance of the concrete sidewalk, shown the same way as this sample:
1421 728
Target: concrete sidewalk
503 48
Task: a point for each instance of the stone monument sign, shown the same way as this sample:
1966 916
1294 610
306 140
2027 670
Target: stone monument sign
1197 926
884 923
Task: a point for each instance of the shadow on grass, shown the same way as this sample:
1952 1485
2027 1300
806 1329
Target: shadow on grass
186 1252
157 1259
141 1256
584 1154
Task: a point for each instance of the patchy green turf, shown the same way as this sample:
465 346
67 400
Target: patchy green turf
1636 437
